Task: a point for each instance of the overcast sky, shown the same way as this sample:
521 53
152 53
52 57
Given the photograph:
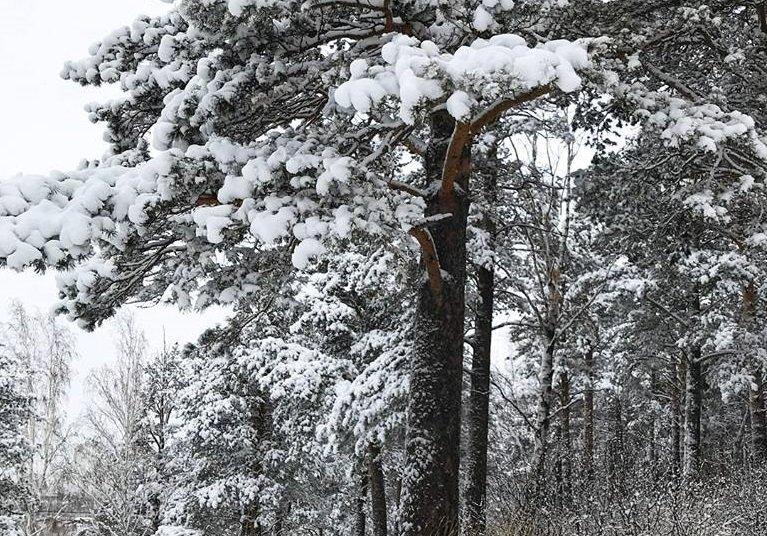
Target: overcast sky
43 128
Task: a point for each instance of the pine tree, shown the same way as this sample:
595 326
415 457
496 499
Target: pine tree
272 137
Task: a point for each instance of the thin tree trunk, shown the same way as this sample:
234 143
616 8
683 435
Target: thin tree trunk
652 439
566 400
693 409
479 401
543 413
360 517
397 503
756 387
615 448
677 374
758 417
430 498
377 492
588 416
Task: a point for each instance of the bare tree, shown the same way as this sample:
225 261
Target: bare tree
46 347
109 467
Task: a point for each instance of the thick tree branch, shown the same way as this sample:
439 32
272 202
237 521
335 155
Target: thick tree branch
430 260
404 187
463 133
672 82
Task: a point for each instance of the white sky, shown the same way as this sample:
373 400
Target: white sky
43 127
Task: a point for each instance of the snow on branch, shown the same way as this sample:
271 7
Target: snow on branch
418 76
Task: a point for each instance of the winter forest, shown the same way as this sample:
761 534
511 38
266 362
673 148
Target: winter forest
490 268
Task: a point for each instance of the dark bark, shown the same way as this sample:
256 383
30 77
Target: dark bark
692 417
761 11
588 416
377 492
479 395
249 525
430 485
615 446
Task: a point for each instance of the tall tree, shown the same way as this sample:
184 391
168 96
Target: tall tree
259 146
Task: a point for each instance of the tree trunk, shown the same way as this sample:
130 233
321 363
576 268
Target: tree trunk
377 492
758 418
479 401
430 486
565 446
359 507
677 375
588 416
756 388
249 525
693 406
397 503
615 447
543 412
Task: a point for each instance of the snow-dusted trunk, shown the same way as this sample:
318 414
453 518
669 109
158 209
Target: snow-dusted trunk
359 504
692 414
615 442
564 447
652 429
677 379
377 492
430 485
758 417
543 411
397 502
479 401
588 416
756 394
